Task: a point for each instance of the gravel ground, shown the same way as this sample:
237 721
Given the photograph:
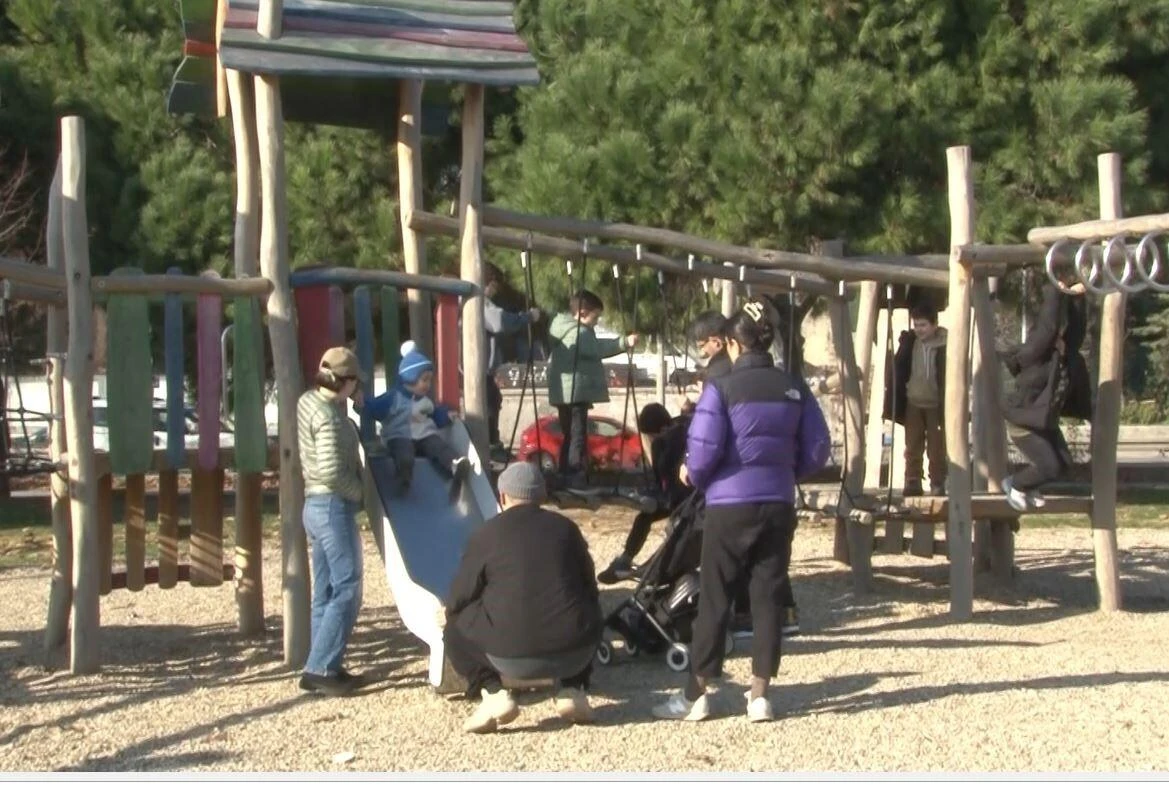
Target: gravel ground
1039 681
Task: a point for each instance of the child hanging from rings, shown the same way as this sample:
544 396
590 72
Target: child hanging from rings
411 421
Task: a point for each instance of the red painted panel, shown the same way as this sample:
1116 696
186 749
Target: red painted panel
446 361
209 367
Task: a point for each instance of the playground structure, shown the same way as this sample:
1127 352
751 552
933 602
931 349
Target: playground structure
305 313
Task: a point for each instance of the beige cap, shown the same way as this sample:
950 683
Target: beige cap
342 362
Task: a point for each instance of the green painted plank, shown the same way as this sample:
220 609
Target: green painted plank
378 50
461 7
198 19
391 334
424 10
247 376
129 382
285 64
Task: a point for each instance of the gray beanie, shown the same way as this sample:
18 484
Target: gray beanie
523 482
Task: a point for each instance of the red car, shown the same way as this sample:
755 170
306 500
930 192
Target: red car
608 446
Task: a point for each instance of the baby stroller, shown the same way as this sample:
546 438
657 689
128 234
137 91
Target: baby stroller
659 616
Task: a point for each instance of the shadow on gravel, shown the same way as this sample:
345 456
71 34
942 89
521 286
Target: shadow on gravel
148 662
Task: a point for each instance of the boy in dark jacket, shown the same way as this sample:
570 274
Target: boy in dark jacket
707 332
1051 380
499 323
916 385
524 603
667 451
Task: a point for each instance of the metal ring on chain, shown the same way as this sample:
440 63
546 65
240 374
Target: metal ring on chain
1149 277
1142 265
1050 265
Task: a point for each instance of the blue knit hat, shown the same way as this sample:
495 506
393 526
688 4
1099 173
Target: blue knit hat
413 363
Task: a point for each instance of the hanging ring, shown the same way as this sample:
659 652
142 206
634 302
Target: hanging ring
1049 264
1088 279
1126 275
1149 242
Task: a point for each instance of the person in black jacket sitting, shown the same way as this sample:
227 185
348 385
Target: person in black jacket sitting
1051 379
667 450
525 604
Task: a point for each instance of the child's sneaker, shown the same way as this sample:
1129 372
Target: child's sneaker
759 710
1035 499
459 469
791 621
495 710
1015 498
681 708
620 569
938 491
572 704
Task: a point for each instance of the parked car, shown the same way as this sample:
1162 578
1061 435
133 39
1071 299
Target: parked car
609 446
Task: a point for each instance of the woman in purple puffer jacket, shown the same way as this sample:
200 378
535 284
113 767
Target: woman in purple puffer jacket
756 432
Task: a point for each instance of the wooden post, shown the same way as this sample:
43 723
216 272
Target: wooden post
471 269
1106 424
86 644
958 530
994 539
866 333
409 200
249 592
274 264
727 292
875 423
60 587
857 544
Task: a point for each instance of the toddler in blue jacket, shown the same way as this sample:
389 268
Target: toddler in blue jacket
411 420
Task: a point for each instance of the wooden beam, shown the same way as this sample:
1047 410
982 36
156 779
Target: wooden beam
957 415
161 284
355 277
274 263
410 200
60 585
430 223
474 344
1100 230
30 274
27 293
1106 423
85 656
908 270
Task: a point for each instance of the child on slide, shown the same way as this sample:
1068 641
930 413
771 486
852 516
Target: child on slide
411 421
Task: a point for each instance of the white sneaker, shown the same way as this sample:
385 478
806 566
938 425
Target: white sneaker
680 708
495 710
1015 498
1035 499
759 710
572 704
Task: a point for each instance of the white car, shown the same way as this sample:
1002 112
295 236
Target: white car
101 430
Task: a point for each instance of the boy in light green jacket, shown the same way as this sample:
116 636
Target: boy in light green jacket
577 378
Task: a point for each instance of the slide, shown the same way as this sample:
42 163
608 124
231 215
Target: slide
422 535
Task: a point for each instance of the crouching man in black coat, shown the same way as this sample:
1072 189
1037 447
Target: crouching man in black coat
524 604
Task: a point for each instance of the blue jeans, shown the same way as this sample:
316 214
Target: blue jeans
330 522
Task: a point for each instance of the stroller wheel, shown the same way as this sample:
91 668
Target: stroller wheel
604 653
678 657
631 648
729 646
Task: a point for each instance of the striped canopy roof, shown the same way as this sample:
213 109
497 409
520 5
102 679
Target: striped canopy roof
340 60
